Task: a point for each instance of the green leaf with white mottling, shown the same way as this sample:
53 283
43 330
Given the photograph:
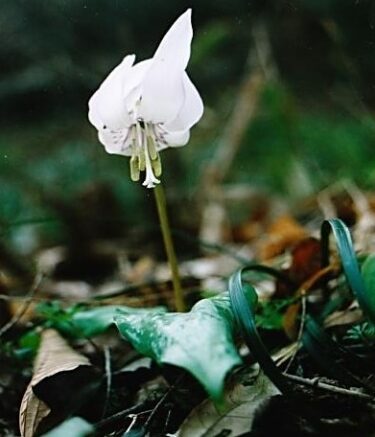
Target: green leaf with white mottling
200 341
95 321
88 322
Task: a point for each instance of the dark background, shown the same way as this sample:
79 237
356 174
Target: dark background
313 125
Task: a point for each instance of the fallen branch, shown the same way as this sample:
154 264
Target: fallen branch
316 383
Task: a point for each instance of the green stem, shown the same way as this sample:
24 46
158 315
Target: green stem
169 247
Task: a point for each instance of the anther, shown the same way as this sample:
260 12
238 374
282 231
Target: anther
156 166
134 169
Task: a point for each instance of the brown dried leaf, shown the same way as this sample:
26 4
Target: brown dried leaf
305 263
32 412
242 400
283 233
347 317
306 260
54 356
291 320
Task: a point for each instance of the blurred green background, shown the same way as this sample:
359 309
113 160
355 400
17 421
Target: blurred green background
313 123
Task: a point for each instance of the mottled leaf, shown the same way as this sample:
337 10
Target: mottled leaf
200 341
89 322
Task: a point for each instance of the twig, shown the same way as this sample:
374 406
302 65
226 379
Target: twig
133 418
106 423
161 401
108 376
258 71
30 296
315 382
300 332
302 291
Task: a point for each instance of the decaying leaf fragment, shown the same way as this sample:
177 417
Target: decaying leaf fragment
54 356
251 390
282 234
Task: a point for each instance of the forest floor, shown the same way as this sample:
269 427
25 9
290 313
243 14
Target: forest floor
66 367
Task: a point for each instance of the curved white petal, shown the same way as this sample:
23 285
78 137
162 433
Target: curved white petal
162 93
191 111
116 142
175 46
94 116
132 90
106 106
162 89
177 139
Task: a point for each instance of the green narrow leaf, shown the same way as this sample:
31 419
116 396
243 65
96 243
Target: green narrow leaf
327 353
244 300
349 262
368 273
200 341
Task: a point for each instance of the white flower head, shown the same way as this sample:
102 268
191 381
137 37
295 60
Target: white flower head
142 108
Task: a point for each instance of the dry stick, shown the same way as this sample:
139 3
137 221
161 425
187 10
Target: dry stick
315 382
260 68
108 376
134 418
108 422
17 317
302 291
161 401
300 332
124 291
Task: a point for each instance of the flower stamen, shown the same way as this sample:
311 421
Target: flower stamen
134 168
144 154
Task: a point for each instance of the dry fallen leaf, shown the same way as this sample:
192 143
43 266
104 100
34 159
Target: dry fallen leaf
54 356
283 233
346 317
291 323
305 262
242 401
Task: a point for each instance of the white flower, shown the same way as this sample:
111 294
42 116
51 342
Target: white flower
143 108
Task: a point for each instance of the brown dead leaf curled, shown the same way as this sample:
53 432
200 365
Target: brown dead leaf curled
54 356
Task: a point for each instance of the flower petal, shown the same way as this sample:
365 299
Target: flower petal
107 107
190 112
162 88
175 46
116 142
178 138
132 90
162 94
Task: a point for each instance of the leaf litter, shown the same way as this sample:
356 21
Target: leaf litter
175 394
